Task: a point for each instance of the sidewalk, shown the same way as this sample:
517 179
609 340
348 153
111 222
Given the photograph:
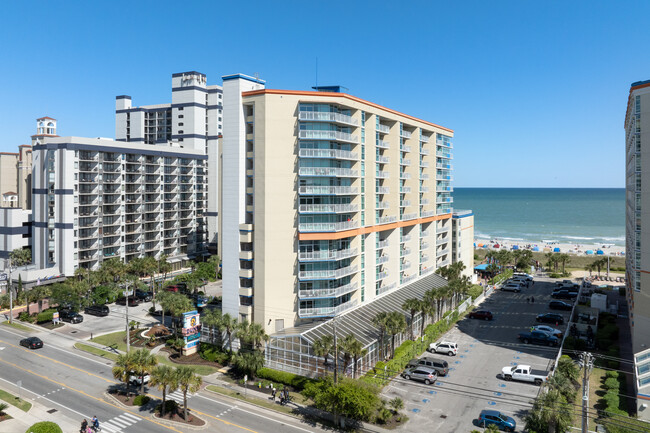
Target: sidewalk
21 421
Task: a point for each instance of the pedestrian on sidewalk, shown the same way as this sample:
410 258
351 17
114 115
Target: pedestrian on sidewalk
273 394
84 426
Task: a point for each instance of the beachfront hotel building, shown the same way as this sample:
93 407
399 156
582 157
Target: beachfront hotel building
193 119
328 203
462 240
95 199
637 230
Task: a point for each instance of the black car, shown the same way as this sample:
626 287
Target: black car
560 305
70 316
480 314
32 342
550 318
97 310
143 296
133 301
564 294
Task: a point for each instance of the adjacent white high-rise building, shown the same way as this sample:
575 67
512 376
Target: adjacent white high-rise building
193 119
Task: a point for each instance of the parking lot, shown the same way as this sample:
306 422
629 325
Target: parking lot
484 348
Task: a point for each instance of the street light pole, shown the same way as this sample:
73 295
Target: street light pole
11 296
128 342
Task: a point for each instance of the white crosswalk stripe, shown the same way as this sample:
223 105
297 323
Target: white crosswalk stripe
118 423
177 396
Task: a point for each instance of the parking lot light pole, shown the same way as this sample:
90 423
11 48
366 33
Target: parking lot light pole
11 295
128 343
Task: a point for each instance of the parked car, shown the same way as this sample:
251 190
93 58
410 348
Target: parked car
503 422
444 347
523 275
32 342
480 314
511 287
564 294
143 296
173 288
538 337
550 318
439 365
566 284
560 305
549 330
97 310
70 316
524 373
423 374
133 301
136 380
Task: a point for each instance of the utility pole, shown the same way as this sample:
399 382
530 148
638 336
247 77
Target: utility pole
336 354
11 295
587 363
128 342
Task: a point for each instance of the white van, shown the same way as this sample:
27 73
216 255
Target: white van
511 287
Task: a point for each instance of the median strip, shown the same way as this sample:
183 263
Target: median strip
96 351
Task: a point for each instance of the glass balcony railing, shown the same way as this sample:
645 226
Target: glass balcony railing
325 255
405 238
427 213
409 216
327 135
383 244
328 293
328 190
404 148
327 274
384 258
404 203
387 219
424 139
405 162
328 153
382 190
328 171
328 208
319 116
405 134
424 150
328 227
382 159
447 155
383 128
382 205
382 174
387 288
326 311
383 144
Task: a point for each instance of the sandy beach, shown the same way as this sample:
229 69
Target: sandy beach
552 246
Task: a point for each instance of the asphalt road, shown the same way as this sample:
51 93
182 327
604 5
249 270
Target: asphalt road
75 384
473 384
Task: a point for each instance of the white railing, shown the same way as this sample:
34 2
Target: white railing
383 159
328 208
328 190
405 134
441 252
328 153
424 233
404 203
386 288
382 190
405 265
383 144
409 278
405 175
424 150
428 213
404 252
383 128
320 116
443 199
387 219
327 255
382 205
328 227
405 189
382 175
442 240
447 155
409 216
406 238
444 177
383 259
326 311
327 171
444 166
327 135
383 244
424 138
424 257
404 148
381 275
328 293
424 245
424 189
424 164
424 176
405 161
442 263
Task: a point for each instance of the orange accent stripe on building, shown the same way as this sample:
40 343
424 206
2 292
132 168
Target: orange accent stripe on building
468 227
370 229
641 396
339 95
645 272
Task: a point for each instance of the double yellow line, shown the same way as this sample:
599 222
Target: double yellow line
67 386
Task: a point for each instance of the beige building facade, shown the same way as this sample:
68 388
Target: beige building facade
16 178
335 202
463 240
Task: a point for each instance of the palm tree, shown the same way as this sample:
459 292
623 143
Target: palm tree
187 382
380 322
164 266
323 347
124 367
20 256
215 261
590 267
252 334
435 297
229 325
412 306
564 259
165 379
164 299
144 362
149 267
426 309
551 413
212 319
396 324
353 349
248 362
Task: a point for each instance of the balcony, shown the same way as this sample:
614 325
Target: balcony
404 134
424 245
382 244
88 167
386 288
328 208
441 166
382 190
441 252
384 258
424 258
318 116
404 203
327 135
404 189
328 190
424 188
382 174
405 238
405 162
328 153
328 227
404 148
404 252
382 159
424 164
447 155
409 216
424 150
383 144
383 129
405 175
387 219
327 293
424 138
444 199
409 278
327 171
87 156
424 201
427 213
327 274
442 240
381 275
405 265
382 205
326 311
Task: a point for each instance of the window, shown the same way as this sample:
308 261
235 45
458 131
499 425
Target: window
180 108
180 131
180 116
180 124
279 325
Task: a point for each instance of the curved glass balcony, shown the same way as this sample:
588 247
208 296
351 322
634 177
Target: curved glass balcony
327 274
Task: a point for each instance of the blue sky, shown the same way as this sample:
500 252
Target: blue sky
536 91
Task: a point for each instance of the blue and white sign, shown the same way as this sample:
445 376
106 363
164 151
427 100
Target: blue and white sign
191 332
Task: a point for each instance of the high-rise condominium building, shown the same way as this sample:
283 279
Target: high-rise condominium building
193 119
328 202
637 228
96 199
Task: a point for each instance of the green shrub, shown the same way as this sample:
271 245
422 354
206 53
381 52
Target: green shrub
611 399
475 291
611 383
170 406
24 317
282 377
141 400
44 427
45 316
610 374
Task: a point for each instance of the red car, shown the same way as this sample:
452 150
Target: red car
175 289
480 314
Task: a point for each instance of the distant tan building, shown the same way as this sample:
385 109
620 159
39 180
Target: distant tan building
462 244
16 178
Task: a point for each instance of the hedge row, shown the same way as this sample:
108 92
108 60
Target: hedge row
282 377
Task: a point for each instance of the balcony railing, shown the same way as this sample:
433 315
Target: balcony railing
404 251
328 293
447 155
444 199
383 259
424 201
424 138
382 174
328 227
404 175
326 311
405 265
424 188
405 134
319 116
404 203
424 164
327 135
327 171
386 288
381 275
441 252
404 148
424 245
409 216
383 144
328 208
328 153
328 190
327 274
405 238
382 190
311 256
424 150
383 244
387 219
440 166
383 128
382 159
405 162
427 213
442 240
404 189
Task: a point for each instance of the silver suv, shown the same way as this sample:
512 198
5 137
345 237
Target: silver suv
439 365
423 374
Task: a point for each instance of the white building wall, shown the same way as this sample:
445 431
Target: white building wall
13 230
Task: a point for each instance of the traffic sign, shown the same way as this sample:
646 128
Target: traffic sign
3 276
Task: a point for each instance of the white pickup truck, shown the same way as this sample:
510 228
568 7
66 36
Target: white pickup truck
524 373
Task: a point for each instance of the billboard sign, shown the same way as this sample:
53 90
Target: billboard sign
191 332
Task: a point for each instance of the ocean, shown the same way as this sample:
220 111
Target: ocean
567 215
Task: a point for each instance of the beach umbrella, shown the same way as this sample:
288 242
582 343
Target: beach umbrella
515 247
556 250
479 245
600 252
589 252
535 248
486 246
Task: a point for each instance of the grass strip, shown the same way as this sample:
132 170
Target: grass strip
254 400
96 351
114 340
201 370
17 326
15 401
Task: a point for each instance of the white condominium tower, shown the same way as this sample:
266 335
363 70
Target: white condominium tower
637 229
327 202
193 119
95 199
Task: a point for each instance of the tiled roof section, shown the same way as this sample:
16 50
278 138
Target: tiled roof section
45 118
